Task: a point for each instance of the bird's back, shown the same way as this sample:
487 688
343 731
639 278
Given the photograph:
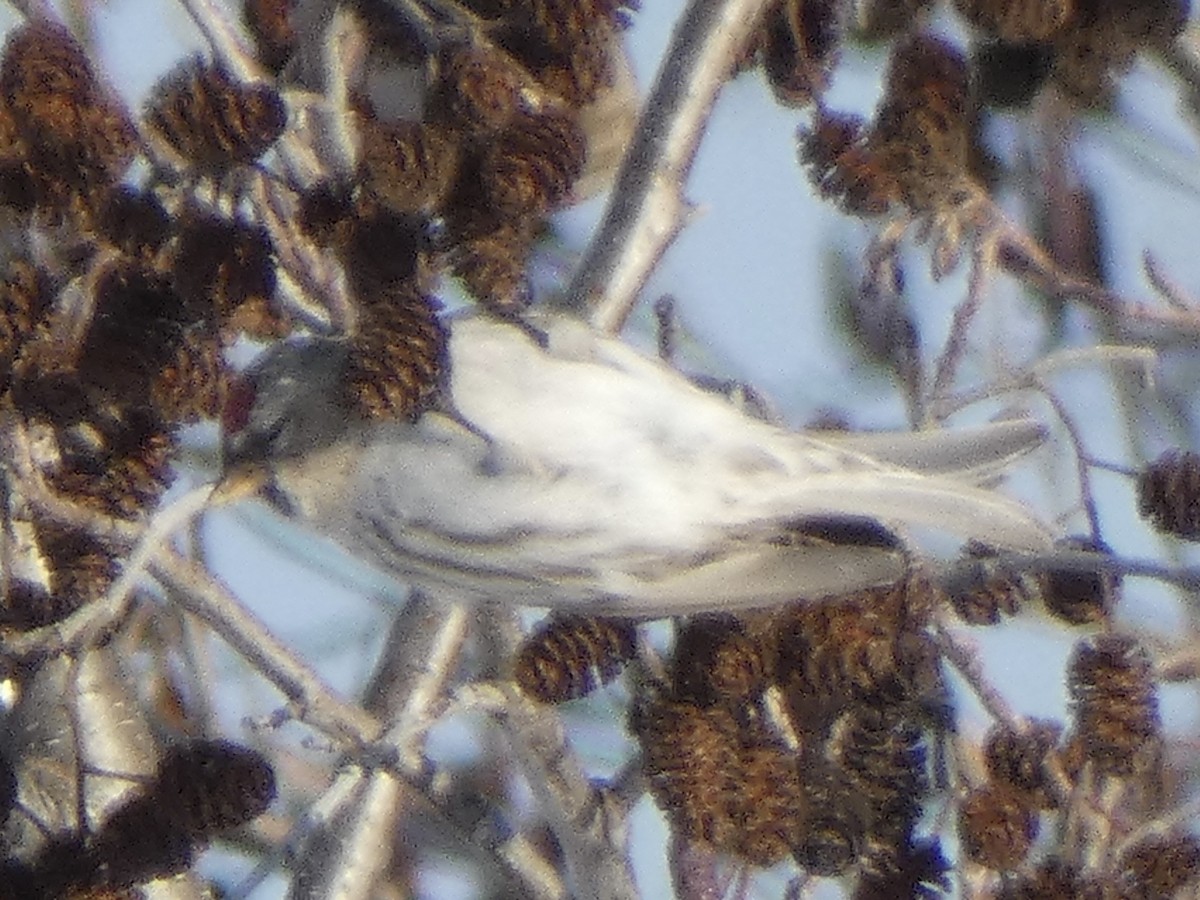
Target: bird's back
604 474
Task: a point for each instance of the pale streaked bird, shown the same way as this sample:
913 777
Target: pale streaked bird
584 474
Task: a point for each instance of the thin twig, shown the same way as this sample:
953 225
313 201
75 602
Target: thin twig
590 831
982 256
1033 377
647 208
211 602
222 36
964 658
1167 289
1082 472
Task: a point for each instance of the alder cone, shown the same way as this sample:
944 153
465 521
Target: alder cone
690 757
768 805
530 167
1115 701
212 121
568 656
76 138
408 166
1018 21
133 221
1169 494
1019 760
478 89
996 828
715 661
269 23
398 358
1160 866
492 265
218 265
799 41
922 133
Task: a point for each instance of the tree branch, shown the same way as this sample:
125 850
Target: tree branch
646 208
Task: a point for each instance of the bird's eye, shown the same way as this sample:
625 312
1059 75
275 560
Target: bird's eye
239 401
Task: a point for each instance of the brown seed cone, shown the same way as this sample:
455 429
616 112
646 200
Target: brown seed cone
478 89
1080 598
212 121
716 661
879 20
843 169
529 168
199 790
81 567
133 221
398 356
568 656
994 594
26 606
191 387
409 167
75 135
1010 75
690 757
799 41
578 75
382 253
564 44
270 24
726 787
860 647
126 473
1088 58
1054 880
19 188
768 805
26 296
1102 40
1018 21
882 753
918 869
1115 701
325 212
136 329
217 785
492 266
1160 867
1169 494
565 22
996 828
922 133
1018 760
219 264
259 319
835 832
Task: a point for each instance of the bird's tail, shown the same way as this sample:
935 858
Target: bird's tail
976 454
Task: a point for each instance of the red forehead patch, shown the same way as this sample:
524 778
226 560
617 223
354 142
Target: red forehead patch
239 400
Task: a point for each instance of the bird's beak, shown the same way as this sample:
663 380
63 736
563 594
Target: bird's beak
240 481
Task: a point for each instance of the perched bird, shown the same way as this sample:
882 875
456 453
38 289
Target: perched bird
569 470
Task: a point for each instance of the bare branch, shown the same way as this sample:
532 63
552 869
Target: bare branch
646 209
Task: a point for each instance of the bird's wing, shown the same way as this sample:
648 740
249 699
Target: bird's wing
456 521
759 576
590 473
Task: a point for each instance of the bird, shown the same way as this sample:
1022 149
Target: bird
566 469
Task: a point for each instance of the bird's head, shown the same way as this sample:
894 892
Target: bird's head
285 408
